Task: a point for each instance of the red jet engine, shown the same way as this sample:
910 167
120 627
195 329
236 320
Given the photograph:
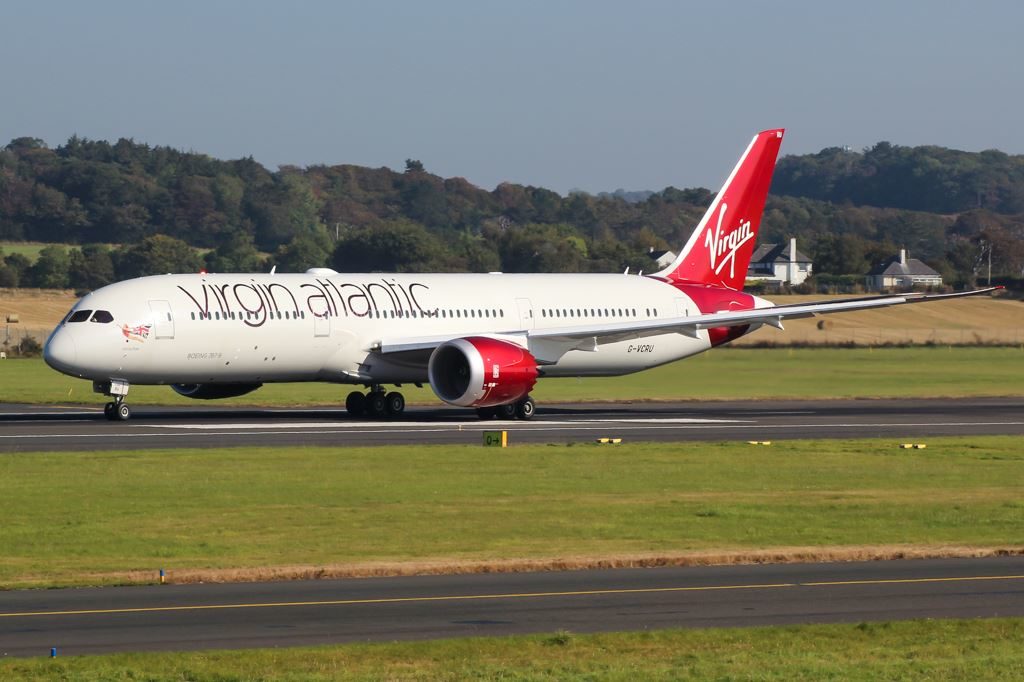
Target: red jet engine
478 371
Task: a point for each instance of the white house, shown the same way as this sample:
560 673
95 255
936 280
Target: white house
900 272
779 263
662 259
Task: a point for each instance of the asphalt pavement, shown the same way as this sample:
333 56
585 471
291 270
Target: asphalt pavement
33 428
205 616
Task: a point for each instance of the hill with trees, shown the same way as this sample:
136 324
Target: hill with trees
169 210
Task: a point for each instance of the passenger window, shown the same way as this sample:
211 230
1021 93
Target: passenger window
80 316
102 316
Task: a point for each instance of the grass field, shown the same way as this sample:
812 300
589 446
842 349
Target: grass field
31 249
28 249
97 517
718 375
919 650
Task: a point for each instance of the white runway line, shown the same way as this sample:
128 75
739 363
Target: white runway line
407 425
478 428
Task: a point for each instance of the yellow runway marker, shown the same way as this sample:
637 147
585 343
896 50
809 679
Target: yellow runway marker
523 595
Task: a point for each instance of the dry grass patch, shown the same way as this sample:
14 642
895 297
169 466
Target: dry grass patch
38 310
381 569
984 320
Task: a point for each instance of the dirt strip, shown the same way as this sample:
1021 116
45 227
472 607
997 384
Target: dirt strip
382 569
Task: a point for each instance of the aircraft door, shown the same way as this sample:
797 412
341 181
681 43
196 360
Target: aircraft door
683 308
321 325
525 313
163 320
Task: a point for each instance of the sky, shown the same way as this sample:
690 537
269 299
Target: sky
595 95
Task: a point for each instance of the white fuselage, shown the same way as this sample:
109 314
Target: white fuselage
306 327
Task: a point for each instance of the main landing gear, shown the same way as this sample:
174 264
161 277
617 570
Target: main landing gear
522 409
375 403
116 410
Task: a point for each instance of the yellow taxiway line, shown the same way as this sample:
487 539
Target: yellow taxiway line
521 595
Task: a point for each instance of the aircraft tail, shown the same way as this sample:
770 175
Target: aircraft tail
719 250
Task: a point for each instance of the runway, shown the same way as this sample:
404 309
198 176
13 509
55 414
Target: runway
33 428
189 617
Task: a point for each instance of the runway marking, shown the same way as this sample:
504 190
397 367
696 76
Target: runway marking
774 413
420 424
476 427
521 595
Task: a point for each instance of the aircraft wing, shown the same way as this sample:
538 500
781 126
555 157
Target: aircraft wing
547 345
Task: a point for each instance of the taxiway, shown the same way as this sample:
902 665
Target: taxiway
332 611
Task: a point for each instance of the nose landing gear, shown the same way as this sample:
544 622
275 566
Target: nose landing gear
115 410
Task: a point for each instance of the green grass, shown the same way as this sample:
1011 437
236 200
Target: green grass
911 650
28 249
717 375
74 518
31 249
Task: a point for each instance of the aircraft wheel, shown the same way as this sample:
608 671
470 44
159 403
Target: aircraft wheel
355 404
526 408
122 413
108 411
394 403
376 405
485 412
505 412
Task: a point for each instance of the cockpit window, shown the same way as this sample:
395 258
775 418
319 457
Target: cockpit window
80 316
102 316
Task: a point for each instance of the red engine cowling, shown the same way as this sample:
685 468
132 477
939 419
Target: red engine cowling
481 372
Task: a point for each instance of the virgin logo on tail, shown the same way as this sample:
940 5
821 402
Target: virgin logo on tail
719 245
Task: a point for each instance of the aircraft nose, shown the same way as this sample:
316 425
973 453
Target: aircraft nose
60 351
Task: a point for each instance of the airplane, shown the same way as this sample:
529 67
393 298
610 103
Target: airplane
479 340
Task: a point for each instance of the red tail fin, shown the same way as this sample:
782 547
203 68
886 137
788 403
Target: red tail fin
719 250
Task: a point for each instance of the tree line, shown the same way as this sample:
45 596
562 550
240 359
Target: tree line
174 211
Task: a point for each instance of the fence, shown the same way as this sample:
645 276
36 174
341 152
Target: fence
13 336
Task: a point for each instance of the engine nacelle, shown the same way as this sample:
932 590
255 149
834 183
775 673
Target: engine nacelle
213 391
481 372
